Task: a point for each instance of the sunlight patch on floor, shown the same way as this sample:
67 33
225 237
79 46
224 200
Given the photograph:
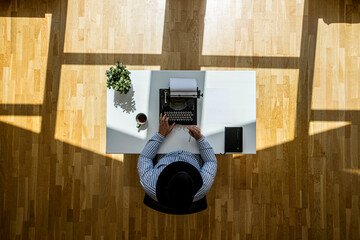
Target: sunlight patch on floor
115 27
242 28
23 67
317 127
352 171
30 123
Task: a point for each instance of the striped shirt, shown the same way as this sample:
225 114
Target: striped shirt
149 173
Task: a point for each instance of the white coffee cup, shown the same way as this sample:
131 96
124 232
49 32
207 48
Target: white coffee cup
141 119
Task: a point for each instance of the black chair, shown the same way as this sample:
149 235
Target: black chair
195 207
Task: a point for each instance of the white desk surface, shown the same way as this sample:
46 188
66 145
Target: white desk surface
237 87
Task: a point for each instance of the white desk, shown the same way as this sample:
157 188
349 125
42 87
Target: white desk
238 88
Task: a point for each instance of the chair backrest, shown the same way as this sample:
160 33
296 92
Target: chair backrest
195 207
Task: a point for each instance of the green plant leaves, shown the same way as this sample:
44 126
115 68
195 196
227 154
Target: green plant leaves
118 78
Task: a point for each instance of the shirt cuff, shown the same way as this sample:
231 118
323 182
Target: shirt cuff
203 143
202 139
159 137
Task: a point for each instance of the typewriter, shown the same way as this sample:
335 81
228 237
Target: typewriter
179 101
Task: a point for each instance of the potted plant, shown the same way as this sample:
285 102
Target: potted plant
118 78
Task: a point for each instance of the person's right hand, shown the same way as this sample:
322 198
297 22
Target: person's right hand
195 132
164 128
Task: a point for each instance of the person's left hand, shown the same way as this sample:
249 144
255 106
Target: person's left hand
164 128
195 132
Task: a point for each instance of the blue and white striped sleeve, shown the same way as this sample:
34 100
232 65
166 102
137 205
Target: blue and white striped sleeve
148 177
208 170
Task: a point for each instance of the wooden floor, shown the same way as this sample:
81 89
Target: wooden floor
56 182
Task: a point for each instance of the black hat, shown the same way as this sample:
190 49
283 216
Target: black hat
177 185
